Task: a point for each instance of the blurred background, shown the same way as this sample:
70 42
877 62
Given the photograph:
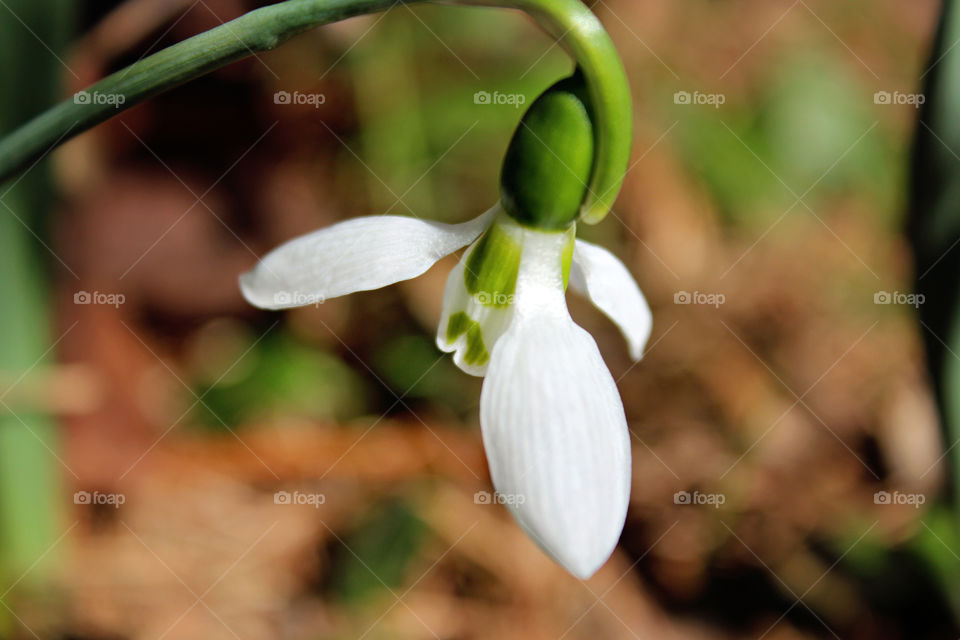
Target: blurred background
177 464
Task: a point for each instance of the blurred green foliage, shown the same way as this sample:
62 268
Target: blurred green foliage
376 554
282 376
804 134
411 365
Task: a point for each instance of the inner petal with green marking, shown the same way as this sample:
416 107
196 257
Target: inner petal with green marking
479 301
461 324
492 266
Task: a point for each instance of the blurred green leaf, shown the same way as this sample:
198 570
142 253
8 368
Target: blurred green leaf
31 31
935 543
720 148
287 377
811 132
413 367
821 126
934 225
934 230
377 553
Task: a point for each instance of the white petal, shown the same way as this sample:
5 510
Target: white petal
605 280
553 426
354 255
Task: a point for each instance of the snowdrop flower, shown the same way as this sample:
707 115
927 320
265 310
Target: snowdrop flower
552 422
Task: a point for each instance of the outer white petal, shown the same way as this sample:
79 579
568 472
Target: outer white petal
554 428
599 275
354 255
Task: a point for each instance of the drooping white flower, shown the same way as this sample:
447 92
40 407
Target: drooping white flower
551 418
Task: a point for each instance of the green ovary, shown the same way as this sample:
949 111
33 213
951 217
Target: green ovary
460 323
550 159
492 268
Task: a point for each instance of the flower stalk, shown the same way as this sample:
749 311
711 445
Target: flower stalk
571 22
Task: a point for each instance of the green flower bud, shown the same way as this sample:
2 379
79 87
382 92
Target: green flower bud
550 159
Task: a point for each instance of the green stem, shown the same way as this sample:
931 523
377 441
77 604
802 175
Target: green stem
572 23
254 32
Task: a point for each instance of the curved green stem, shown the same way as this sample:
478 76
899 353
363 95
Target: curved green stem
254 32
572 23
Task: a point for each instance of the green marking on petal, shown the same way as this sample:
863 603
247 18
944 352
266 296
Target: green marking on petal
566 261
476 351
492 268
460 323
